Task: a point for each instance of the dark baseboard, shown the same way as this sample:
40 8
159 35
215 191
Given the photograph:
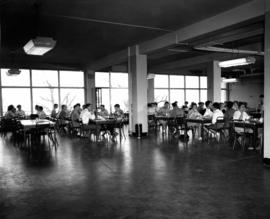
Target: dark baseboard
266 162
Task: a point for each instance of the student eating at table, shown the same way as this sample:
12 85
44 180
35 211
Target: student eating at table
118 113
217 114
86 115
201 108
103 112
54 111
41 113
241 114
208 112
194 114
164 111
75 116
20 113
11 112
64 114
176 111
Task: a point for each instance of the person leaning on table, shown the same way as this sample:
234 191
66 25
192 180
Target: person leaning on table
86 115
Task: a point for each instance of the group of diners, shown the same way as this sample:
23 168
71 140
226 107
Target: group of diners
227 112
85 114
78 117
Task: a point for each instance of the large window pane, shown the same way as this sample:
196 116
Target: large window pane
192 82
223 96
119 80
102 79
177 95
119 96
203 82
176 81
161 81
161 95
203 95
23 79
45 97
105 98
192 96
70 97
44 78
71 79
16 96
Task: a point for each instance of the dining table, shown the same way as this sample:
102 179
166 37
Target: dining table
31 124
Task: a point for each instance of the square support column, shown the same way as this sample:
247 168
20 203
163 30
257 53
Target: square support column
266 154
138 90
214 81
150 91
90 88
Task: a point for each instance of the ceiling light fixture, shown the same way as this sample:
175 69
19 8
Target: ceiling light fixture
39 46
230 80
237 62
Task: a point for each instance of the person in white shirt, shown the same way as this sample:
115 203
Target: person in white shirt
208 112
217 114
241 114
86 116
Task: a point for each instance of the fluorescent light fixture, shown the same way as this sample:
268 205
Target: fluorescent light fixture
230 80
39 46
237 62
150 76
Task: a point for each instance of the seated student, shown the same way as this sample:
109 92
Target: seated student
86 115
235 105
20 113
222 107
201 108
151 110
217 114
11 112
64 114
164 111
185 107
194 114
176 111
118 113
54 111
37 109
241 114
229 112
103 112
41 113
208 112
75 116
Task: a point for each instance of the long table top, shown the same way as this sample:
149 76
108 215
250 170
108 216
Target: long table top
32 123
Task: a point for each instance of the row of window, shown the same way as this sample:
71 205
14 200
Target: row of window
41 87
182 88
111 89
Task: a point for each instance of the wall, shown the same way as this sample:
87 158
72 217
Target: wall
248 90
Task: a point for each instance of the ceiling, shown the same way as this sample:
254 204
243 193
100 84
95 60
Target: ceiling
87 30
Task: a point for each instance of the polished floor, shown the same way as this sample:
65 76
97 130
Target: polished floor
155 177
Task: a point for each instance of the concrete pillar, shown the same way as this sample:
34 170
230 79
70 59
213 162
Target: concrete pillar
137 89
214 81
90 92
150 91
266 154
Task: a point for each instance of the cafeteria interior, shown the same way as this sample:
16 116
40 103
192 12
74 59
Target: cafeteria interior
171 122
